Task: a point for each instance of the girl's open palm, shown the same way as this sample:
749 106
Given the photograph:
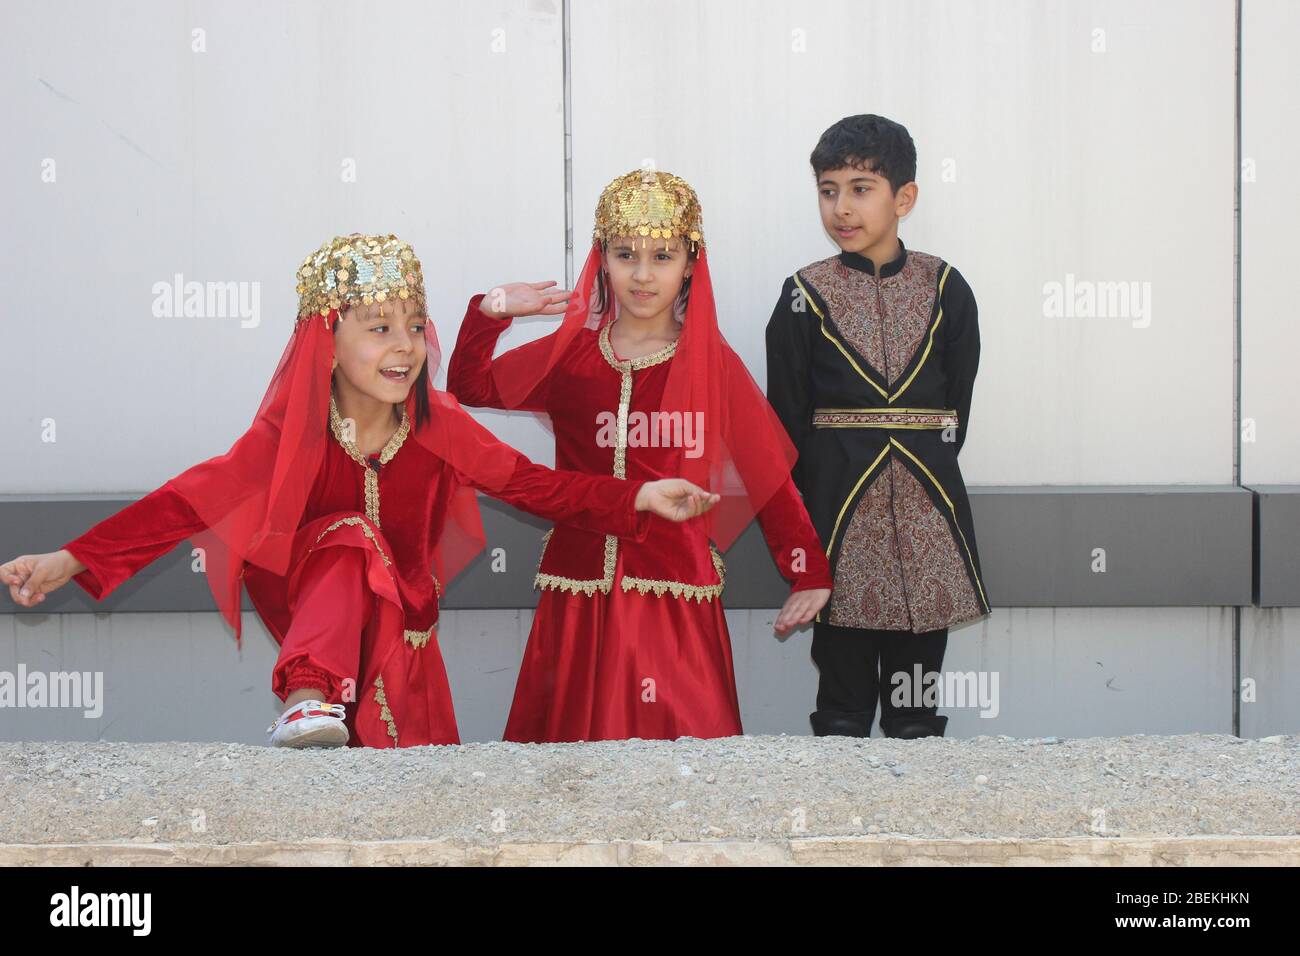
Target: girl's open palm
525 298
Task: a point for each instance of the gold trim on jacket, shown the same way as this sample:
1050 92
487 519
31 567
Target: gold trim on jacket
678 589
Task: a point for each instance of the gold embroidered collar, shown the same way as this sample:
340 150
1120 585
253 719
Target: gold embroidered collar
645 361
388 451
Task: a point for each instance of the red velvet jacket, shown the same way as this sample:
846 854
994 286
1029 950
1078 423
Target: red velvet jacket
411 488
582 395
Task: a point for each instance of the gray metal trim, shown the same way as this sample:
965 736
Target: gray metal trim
1165 546
1277 556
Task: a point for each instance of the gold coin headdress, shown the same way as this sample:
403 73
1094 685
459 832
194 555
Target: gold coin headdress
358 270
653 205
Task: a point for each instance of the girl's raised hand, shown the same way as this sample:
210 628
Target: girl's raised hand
525 298
32 576
800 608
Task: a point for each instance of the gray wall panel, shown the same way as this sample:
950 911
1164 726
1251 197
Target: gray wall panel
1176 546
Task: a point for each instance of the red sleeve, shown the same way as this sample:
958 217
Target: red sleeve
469 373
793 541
134 537
599 503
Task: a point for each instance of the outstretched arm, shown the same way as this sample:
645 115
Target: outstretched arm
109 553
600 503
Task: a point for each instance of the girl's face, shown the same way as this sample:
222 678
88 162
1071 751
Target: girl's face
381 356
646 280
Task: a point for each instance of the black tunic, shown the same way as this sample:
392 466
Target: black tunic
872 377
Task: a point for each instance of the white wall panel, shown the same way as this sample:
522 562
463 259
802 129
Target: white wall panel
1112 166
1270 208
228 165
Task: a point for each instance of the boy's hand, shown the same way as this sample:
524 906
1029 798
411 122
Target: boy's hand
524 298
32 576
800 608
675 499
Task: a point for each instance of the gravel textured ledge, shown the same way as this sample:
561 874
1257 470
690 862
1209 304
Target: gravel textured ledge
653 801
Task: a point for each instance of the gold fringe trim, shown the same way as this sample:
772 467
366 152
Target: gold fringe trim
384 713
698 592
419 639
553 582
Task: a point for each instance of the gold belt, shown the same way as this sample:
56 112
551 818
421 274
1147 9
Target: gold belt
884 418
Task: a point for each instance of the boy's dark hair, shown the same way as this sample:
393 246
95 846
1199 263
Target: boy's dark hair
871 142
600 300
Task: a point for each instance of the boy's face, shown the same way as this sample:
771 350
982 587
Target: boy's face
646 280
860 210
366 344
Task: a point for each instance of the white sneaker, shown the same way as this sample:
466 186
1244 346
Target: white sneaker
309 723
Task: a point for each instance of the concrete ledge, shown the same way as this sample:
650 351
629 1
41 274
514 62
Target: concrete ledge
809 851
1203 799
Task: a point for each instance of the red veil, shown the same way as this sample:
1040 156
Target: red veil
747 455
252 498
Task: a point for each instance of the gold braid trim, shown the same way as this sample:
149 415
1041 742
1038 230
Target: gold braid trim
384 713
636 364
357 520
385 455
700 592
555 582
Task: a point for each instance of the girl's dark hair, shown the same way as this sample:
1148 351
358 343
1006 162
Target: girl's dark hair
871 142
421 384
600 301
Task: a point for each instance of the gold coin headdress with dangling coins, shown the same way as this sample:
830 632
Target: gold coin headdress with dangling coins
358 270
652 205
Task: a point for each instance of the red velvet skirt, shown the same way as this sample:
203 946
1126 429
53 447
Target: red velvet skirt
623 665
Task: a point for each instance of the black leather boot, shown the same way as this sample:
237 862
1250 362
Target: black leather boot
909 728
841 723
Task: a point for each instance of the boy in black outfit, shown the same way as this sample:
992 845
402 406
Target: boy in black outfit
871 361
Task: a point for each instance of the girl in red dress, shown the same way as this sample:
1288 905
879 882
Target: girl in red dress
629 638
345 506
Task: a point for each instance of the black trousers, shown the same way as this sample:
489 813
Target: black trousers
857 667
